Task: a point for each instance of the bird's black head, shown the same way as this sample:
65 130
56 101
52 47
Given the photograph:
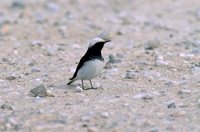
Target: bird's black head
96 46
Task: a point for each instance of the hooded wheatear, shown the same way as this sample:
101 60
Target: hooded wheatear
91 64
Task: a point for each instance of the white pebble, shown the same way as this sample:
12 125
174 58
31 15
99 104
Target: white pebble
78 89
50 94
161 63
104 114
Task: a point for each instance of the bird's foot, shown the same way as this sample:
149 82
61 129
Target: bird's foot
90 88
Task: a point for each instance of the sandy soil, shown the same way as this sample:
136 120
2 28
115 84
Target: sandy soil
152 85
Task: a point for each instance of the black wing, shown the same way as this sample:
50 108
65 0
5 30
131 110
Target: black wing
81 62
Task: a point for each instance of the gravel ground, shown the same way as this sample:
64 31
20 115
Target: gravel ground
151 80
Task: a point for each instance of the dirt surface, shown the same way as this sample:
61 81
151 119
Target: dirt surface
151 83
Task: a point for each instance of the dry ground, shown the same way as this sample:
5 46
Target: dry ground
42 41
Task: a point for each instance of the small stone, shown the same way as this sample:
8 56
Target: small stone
15 52
171 105
52 6
92 129
36 43
5 60
143 96
76 46
151 74
197 13
196 70
10 78
50 94
6 107
183 93
104 114
119 33
39 91
35 70
40 17
51 51
159 61
170 83
154 130
186 56
62 30
36 82
195 51
78 89
112 59
86 117
150 45
20 4
130 75
109 66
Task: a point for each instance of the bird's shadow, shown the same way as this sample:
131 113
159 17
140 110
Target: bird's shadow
65 86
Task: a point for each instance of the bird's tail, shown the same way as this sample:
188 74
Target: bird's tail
71 81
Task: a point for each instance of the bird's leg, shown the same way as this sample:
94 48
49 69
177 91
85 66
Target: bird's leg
91 85
82 84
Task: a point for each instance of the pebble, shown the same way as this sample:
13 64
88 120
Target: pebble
39 91
10 78
110 66
150 45
151 74
92 129
40 17
20 4
33 70
183 92
195 51
170 83
113 59
195 70
86 117
15 52
186 56
104 114
78 89
50 94
62 30
52 6
197 13
36 43
36 82
75 46
6 107
119 32
159 61
171 105
5 60
143 96
51 51
130 75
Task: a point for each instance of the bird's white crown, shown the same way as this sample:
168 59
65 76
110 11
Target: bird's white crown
95 40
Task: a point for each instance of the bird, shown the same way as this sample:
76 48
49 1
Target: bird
91 64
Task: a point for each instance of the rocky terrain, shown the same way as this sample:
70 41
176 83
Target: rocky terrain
151 80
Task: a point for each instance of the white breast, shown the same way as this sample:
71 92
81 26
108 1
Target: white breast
90 70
